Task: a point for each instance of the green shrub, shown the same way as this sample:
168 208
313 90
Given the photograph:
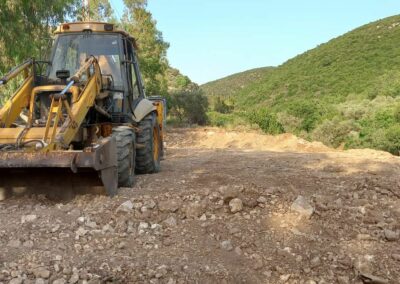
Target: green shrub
308 111
219 119
396 113
392 141
290 123
188 106
221 106
333 132
267 121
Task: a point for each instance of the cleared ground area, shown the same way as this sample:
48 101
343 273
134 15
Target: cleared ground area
228 207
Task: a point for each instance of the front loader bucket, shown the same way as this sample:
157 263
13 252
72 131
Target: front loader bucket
60 172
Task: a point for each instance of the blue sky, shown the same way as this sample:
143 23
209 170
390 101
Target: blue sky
211 39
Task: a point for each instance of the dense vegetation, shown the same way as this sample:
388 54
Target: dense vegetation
232 85
345 92
186 102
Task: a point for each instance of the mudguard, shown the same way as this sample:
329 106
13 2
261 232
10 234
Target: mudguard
143 108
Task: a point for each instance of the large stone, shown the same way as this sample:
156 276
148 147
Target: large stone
143 226
41 273
302 207
170 221
81 232
369 278
194 210
16 281
392 236
227 245
396 256
28 218
236 205
262 199
169 206
150 204
74 278
127 206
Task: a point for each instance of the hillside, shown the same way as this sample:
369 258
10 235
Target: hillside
232 85
344 92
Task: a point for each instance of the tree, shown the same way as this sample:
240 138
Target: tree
188 106
221 106
25 32
101 11
152 48
26 27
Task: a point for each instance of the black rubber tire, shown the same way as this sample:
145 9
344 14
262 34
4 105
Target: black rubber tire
126 154
147 159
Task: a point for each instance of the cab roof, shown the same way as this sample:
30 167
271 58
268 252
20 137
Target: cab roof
89 26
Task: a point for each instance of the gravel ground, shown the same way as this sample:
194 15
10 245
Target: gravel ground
226 208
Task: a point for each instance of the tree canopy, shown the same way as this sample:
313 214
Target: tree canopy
152 48
25 27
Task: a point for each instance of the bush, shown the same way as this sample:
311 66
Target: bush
333 132
392 141
266 121
220 120
222 107
396 113
188 106
290 123
308 111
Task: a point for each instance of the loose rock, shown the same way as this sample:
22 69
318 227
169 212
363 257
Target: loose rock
169 206
170 221
302 207
28 218
227 245
194 210
41 273
236 205
127 206
392 236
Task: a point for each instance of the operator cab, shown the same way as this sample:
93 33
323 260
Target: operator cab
72 50
115 52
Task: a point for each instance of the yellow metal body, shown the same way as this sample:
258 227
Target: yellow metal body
58 132
160 118
83 26
46 143
13 107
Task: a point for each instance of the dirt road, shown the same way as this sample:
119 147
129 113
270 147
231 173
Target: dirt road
228 207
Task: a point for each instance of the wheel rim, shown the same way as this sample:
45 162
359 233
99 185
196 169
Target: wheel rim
156 144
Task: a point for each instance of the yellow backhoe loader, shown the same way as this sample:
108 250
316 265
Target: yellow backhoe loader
84 111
